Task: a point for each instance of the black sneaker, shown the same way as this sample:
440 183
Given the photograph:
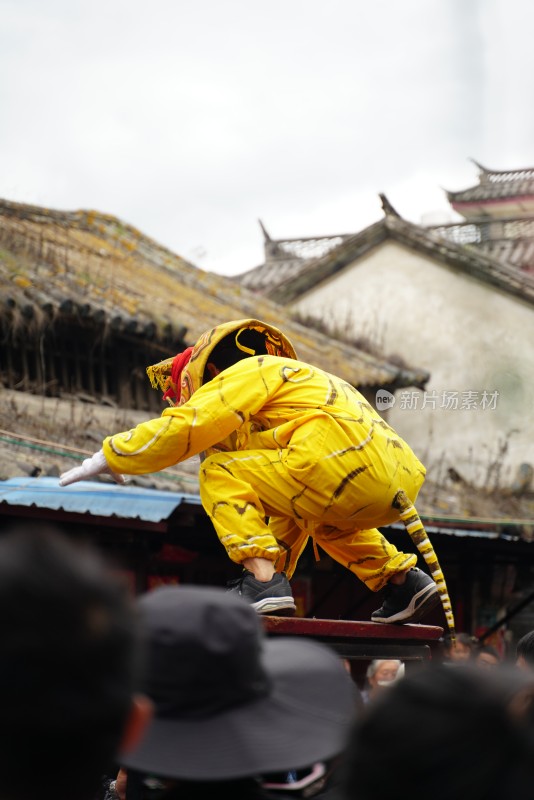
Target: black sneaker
410 601
265 597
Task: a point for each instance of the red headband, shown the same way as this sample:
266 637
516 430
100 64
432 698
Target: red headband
179 362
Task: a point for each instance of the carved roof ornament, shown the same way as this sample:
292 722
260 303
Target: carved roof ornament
388 209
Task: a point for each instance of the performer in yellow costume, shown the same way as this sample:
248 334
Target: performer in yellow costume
288 451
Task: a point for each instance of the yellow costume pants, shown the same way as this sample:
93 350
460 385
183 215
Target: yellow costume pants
261 508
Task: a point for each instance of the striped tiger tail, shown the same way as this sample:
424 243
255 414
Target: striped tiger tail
416 530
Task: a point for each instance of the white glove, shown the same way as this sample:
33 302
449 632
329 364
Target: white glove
95 465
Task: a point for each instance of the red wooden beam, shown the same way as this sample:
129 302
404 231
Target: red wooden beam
362 640
306 626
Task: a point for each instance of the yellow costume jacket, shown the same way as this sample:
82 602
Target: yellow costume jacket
321 427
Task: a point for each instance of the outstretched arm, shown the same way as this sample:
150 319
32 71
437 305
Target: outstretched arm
215 411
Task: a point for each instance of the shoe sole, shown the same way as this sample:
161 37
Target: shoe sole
271 604
420 604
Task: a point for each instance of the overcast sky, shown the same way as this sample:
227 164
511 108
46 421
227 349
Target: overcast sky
191 120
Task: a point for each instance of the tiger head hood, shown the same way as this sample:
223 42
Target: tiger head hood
181 376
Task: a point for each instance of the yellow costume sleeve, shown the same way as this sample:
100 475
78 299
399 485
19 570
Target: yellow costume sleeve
215 411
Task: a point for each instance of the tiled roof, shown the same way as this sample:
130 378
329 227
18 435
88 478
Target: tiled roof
93 265
510 241
465 258
495 185
285 257
518 253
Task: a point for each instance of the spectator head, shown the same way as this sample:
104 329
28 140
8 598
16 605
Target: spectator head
525 652
382 673
231 702
470 727
67 668
487 657
460 650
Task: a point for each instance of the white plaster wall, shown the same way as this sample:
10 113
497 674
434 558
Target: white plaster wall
471 337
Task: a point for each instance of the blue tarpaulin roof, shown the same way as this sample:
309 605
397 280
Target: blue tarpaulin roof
91 497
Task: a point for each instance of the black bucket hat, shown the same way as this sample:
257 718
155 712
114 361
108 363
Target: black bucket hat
230 701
